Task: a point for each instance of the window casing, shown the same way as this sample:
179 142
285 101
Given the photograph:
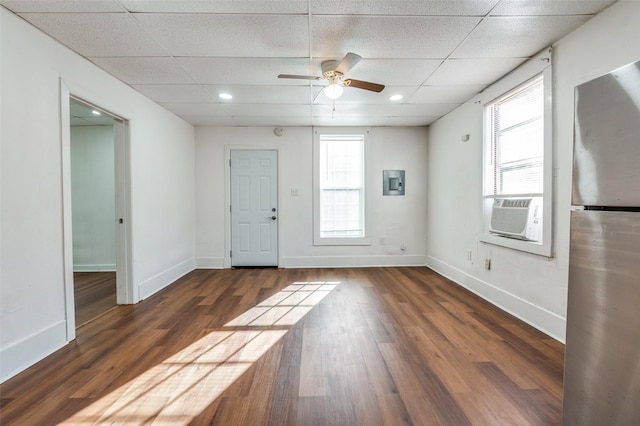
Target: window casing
340 198
518 147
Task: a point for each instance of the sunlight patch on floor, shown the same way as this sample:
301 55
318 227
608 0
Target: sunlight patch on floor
181 387
287 306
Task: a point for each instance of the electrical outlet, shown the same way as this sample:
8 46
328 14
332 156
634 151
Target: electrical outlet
487 264
469 255
382 241
403 246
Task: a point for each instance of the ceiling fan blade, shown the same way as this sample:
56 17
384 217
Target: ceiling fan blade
374 87
349 61
300 77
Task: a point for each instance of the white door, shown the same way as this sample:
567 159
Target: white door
254 213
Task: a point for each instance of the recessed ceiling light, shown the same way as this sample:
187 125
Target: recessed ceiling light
395 97
225 96
96 112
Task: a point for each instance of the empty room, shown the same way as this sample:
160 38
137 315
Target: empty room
308 212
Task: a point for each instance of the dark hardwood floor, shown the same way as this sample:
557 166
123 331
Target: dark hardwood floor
95 294
384 346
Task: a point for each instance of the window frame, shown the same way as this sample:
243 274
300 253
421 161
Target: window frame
341 241
539 65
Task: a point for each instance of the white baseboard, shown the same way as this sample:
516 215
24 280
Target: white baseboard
163 279
352 261
94 268
210 262
540 318
23 354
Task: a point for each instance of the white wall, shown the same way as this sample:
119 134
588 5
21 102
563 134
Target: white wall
396 218
93 200
162 205
532 287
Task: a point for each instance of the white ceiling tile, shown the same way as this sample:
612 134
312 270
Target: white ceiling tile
195 108
97 34
350 110
266 110
405 7
257 71
97 121
444 94
228 35
263 94
422 110
144 70
391 110
174 92
516 37
348 121
550 7
284 121
388 37
485 71
217 6
209 120
71 6
411 121
78 110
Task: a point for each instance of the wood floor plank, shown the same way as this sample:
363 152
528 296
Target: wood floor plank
384 346
94 294
311 373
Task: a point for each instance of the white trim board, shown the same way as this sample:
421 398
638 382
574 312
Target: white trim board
23 354
210 263
94 268
540 318
353 261
167 277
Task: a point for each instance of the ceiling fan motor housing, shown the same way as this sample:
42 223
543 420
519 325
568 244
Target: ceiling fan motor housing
329 67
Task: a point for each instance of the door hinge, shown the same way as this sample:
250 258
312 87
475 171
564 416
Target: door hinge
229 163
230 253
229 208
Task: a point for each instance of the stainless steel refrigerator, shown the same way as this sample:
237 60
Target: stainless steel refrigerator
602 354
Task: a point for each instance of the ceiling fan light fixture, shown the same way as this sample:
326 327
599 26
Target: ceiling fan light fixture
226 96
395 97
333 90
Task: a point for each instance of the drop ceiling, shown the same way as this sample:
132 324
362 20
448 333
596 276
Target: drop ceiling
183 53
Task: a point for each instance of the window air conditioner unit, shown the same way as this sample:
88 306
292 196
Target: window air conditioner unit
517 218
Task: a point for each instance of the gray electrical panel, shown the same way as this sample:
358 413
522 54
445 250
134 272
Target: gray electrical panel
393 182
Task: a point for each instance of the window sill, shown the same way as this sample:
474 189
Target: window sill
532 247
366 241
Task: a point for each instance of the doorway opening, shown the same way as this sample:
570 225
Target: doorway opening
97 206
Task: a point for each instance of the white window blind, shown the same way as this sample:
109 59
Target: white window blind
518 140
341 184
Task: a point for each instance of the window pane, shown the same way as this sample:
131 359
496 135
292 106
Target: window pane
341 187
518 147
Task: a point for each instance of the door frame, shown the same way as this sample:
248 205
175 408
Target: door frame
227 194
125 291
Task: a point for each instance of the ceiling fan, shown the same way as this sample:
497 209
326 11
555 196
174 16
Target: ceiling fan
333 72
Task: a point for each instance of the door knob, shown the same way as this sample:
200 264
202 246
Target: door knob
273 209
273 218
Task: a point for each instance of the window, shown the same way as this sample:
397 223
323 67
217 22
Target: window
518 163
340 195
517 132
